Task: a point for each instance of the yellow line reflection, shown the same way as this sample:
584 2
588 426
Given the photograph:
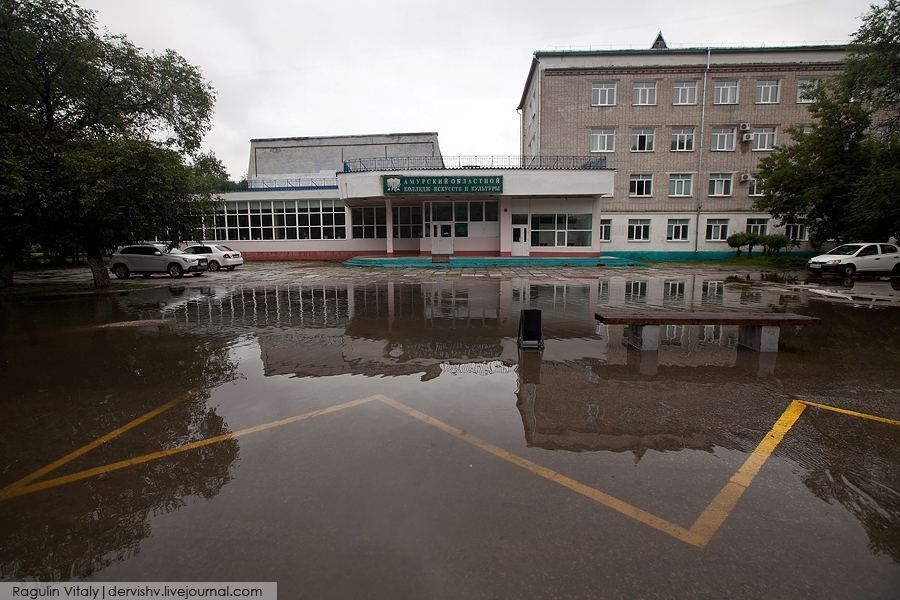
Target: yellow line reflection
851 413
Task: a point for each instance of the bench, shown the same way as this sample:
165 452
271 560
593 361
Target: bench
759 331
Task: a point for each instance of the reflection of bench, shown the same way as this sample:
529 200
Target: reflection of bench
759 331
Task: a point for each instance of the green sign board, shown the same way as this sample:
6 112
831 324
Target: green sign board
445 184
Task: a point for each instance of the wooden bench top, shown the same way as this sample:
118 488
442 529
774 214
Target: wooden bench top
666 317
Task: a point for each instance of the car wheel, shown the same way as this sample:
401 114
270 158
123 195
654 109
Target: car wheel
121 272
848 270
229 268
175 271
213 266
896 270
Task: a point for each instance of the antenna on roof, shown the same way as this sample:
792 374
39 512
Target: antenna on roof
659 42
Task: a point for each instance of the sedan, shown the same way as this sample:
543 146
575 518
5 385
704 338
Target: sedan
218 257
849 259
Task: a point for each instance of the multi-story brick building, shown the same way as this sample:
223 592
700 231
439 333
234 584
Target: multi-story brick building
683 128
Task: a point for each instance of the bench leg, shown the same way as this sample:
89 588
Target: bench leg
760 338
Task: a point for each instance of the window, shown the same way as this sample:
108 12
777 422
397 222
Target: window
768 91
645 93
561 230
642 139
640 184
282 220
603 140
757 226
638 230
716 230
461 230
885 248
369 222
603 93
722 139
407 221
797 231
490 211
720 184
684 92
673 289
682 139
677 230
763 138
605 230
804 87
754 186
725 91
635 291
681 184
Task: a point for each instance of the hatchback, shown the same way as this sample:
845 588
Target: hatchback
219 257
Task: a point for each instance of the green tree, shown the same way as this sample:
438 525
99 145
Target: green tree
873 68
213 176
738 240
70 94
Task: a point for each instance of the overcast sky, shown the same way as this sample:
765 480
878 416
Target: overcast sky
303 68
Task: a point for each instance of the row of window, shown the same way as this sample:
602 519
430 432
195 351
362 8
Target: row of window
723 139
677 229
681 185
281 220
415 221
684 93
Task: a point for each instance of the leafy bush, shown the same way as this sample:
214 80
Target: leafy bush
774 244
738 240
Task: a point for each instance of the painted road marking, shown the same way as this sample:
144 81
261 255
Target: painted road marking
18 489
699 534
851 413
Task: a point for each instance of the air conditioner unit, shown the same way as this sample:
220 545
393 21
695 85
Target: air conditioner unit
745 126
747 137
745 177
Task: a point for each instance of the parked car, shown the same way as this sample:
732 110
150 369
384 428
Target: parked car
864 257
146 259
218 256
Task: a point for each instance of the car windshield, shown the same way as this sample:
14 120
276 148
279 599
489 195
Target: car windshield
845 250
225 248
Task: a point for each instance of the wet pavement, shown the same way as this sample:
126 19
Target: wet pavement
356 433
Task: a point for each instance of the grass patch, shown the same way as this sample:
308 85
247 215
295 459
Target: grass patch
757 262
49 290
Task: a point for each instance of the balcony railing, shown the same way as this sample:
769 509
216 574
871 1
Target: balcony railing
302 183
418 163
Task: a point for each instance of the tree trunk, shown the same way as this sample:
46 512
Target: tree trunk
7 267
99 271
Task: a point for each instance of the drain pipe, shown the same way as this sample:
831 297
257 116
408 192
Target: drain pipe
701 137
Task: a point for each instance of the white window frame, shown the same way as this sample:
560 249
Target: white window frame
680 227
802 83
757 226
682 136
600 90
639 225
644 93
685 181
646 179
721 185
723 134
605 134
768 91
726 91
649 136
754 187
763 139
717 227
800 226
684 93
605 230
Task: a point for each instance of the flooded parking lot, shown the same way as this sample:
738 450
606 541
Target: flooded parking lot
382 435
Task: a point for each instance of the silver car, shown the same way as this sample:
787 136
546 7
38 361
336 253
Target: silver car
146 259
219 256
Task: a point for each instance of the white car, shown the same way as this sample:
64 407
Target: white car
218 256
864 257
145 259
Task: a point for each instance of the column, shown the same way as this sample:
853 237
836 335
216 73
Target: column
505 215
389 216
595 224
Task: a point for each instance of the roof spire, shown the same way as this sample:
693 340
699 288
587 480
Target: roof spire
659 43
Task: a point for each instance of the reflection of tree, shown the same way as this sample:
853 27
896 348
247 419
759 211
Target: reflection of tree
76 529
857 468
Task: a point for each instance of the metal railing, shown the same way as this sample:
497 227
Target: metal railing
417 163
302 183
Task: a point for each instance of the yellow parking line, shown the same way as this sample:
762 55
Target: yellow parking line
612 502
706 525
852 413
97 442
13 491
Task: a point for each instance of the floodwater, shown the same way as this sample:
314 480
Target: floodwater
591 469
